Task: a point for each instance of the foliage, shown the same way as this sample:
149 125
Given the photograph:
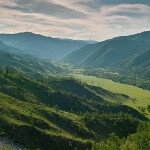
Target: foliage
42 113
137 141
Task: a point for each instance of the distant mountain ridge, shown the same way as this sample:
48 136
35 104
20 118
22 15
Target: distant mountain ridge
110 52
24 63
44 47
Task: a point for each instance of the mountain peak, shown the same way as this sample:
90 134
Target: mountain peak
28 34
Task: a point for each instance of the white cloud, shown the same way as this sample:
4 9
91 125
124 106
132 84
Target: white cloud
106 22
2 25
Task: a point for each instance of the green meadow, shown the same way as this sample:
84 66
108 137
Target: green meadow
139 98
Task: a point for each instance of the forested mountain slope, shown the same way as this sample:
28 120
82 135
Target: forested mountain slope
26 64
58 118
41 46
138 64
110 52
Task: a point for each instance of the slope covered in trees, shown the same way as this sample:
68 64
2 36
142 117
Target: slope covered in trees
138 64
138 141
25 64
107 54
58 118
110 52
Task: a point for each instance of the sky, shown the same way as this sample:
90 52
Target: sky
75 19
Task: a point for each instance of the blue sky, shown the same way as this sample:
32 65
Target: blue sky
76 19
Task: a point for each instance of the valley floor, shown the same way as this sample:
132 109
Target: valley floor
140 97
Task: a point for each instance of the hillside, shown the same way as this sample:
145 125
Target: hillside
144 36
111 52
26 64
140 58
7 48
41 46
138 64
140 97
58 118
139 140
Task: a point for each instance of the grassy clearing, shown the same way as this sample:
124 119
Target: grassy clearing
141 97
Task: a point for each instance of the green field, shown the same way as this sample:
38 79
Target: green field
141 97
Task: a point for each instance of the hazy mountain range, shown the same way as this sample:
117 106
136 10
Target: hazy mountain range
26 64
127 52
113 52
41 46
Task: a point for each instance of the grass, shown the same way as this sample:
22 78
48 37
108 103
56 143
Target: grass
21 113
140 97
61 113
17 115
